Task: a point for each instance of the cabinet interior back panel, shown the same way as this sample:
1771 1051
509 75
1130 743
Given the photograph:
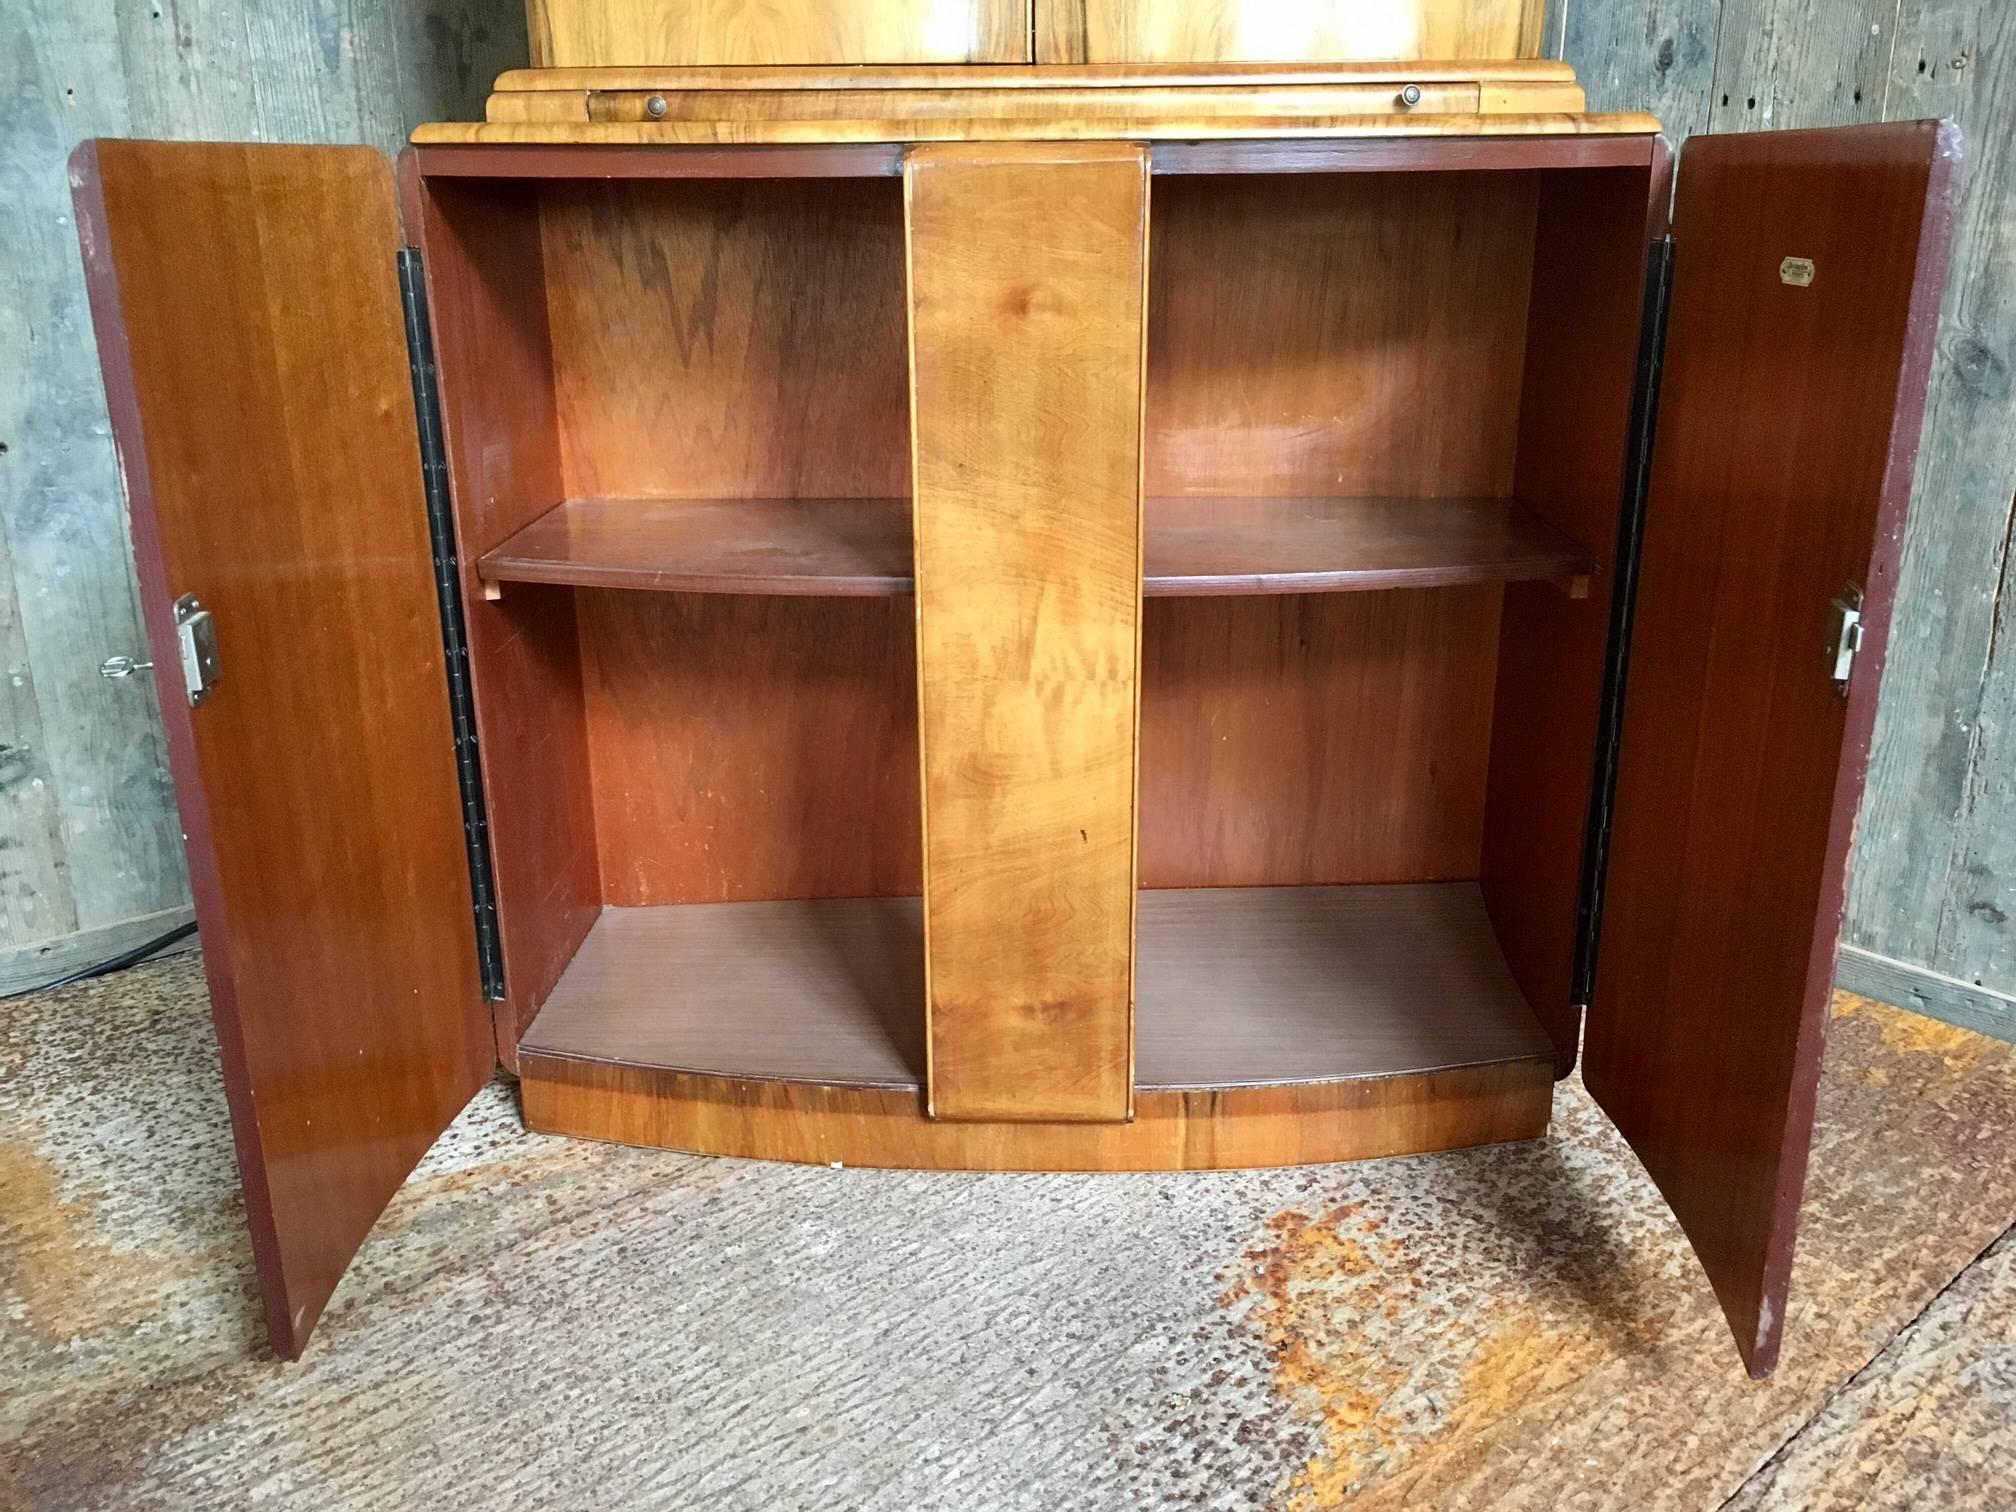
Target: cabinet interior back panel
1316 738
729 339
748 748
1337 334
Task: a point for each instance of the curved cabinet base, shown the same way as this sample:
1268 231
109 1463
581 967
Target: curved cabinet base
1190 1129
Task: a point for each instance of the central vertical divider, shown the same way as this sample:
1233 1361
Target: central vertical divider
1028 289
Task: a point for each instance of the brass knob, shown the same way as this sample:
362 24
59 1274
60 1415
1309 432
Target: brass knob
655 107
1411 95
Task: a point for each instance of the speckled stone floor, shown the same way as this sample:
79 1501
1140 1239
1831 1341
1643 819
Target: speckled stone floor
544 1323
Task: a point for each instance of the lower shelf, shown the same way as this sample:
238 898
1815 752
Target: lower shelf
1274 1026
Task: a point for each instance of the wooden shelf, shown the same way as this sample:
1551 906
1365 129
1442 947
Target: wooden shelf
1238 987
1194 546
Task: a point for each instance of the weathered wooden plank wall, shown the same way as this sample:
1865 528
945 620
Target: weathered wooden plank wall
90 852
1932 918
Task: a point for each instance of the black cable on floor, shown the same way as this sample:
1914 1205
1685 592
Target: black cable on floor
124 959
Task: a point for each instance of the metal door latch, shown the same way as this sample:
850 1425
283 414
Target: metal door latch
1844 637
197 634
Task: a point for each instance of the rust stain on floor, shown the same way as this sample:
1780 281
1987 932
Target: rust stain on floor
1446 1368
572 1324
63 1280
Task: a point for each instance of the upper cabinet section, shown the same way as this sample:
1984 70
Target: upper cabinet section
1276 31
800 33
687 33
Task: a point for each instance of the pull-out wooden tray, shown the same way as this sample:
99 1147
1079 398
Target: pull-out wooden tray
1030 102
1275 1025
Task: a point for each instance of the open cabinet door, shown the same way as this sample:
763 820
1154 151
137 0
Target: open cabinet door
249 323
1808 268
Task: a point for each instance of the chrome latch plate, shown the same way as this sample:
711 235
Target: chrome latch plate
197 634
1844 637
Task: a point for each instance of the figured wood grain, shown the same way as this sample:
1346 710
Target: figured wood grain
747 748
1090 103
1364 339
1239 987
642 33
1582 332
1028 277
1535 71
1193 547
493 354
1368 1118
1147 125
1788 424
824 547
1197 31
264 416
1278 1025
1316 738
721 339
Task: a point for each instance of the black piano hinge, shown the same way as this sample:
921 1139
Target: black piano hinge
1617 662
454 631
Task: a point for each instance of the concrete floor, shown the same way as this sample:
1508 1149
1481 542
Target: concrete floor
545 1323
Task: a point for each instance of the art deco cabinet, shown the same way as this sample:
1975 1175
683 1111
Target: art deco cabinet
1071 618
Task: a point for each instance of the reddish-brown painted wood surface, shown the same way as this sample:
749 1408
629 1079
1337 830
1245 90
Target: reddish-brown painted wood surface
1574 420
1788 427
751 747
264 416
844 548
494 358
1311 738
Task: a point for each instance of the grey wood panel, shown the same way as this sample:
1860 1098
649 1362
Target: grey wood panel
1938 885
88 832
1784 64
1658 54
1239 986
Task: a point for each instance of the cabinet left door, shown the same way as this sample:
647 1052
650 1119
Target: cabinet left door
249 326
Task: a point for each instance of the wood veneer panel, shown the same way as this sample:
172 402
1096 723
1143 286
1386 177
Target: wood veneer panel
1788 426
826 547
1348 336
1228 1129
494 358
1197 102
1028 279
748 747
638 33
264 415
1267 31
1195 141
1316 738
1338 1024
857 547
1324 545
1239 987
1595 227
715 339
1020 76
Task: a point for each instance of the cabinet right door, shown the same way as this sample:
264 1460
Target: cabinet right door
1808 269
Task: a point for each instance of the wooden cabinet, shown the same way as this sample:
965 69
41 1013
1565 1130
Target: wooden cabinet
678 33
1271 31
575 34
1144 648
